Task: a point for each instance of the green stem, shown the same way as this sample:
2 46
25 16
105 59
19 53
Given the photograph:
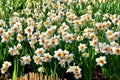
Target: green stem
15 72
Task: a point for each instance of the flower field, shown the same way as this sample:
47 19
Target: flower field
73 39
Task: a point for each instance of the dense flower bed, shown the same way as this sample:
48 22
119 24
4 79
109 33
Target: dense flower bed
60 37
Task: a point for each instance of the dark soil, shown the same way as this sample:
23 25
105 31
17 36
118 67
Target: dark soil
97 74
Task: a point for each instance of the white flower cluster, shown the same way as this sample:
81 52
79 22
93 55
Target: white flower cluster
41 56
5 67
63 56
25 60
15 50
75 70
